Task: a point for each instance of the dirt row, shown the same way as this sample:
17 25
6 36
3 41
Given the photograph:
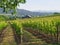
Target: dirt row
47 38
7 36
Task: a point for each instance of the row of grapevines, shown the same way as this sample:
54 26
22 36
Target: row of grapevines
46 25
3 24
17 26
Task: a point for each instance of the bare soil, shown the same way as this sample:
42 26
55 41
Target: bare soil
42 36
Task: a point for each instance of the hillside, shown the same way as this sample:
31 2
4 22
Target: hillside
32 13
23 12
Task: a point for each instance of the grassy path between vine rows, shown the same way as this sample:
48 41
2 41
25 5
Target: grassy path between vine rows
7 37
30 39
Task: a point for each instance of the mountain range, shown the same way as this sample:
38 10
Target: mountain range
23 12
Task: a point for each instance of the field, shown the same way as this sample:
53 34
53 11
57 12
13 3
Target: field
30 31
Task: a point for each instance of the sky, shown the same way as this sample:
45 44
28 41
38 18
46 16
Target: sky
43 5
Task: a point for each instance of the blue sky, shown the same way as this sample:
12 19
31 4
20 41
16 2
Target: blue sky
43 5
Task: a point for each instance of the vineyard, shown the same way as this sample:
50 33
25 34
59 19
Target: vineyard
38 31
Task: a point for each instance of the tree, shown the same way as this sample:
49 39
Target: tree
9 5
56 13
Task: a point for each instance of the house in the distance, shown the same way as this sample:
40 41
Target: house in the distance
26 16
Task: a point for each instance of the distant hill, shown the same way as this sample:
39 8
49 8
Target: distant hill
32 13
22 12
